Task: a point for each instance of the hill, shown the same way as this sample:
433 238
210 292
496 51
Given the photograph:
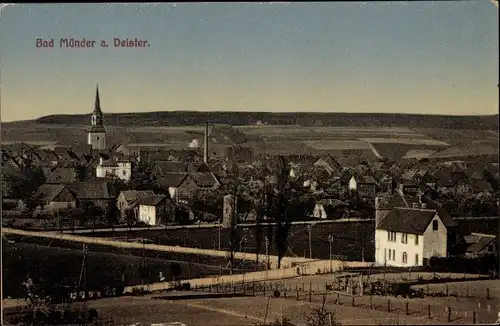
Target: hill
190 118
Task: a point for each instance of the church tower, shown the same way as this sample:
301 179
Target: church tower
97 133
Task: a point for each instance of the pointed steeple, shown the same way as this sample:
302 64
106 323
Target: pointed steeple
97 105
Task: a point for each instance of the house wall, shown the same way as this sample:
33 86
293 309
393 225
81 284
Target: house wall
435 242
147 214
352 184
172 191
319 211
123 171
382 245
186 188
97 140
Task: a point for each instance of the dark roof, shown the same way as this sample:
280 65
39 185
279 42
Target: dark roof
331 202
480 185
170 179
60 175
93 190
48 192
204 179
365 179
151 200
480 244
407 220
97 128
164 167
131 195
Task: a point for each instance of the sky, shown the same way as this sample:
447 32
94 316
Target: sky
396 57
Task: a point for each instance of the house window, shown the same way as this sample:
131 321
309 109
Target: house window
97 137
416 259
391 236
394 254
434 225
404 238
416 239
405 257
390 254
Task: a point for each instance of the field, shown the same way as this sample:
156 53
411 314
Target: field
43 260
347 239
391 142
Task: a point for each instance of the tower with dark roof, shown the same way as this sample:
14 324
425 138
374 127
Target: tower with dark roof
97 134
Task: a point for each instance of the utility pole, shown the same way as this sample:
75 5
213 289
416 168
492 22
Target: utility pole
330 239
85 269
266 239
309 228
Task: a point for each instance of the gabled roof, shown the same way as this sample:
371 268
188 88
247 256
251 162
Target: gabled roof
48 192
170 179
131 195
480 185
365 179
481 242
60 175
407 220
93 190
151 200
205 179
164 167
331 202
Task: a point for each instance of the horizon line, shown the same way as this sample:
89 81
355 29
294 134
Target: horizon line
259 112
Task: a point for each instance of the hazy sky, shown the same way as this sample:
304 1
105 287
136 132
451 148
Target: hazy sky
416 57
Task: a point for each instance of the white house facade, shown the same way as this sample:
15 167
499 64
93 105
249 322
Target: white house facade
409 237
353 185
147 214
122 170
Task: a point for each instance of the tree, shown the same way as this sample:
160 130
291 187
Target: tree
130 218
87 210
142 176
24 187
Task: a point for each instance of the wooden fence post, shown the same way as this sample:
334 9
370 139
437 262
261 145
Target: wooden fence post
265 285
407 308
338 298
389 305
353 303
487 293
284 292
474 317
296 289
371 301
448 311
310 294
446 289
429 312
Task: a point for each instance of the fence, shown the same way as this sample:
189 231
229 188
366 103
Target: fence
325 292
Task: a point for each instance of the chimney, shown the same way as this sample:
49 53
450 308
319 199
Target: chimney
205 147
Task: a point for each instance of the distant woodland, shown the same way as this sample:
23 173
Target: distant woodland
189 118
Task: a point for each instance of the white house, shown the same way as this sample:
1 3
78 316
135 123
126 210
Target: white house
409 237
156 210
111 168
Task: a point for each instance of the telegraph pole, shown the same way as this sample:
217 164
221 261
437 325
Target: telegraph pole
85 269
330 239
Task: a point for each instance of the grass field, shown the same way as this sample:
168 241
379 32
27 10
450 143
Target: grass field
347 238
394 142
59 262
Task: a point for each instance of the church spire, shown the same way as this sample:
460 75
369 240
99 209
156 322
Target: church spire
97 105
